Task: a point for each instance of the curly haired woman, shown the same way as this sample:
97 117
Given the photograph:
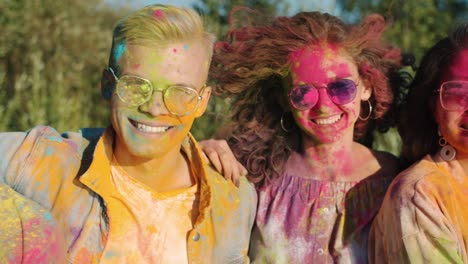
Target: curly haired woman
424 218
305 90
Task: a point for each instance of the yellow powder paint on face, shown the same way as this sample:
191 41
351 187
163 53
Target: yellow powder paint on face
328 53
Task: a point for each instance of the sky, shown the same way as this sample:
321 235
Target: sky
329 6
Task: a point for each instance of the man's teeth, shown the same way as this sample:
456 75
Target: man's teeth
150 129
328 121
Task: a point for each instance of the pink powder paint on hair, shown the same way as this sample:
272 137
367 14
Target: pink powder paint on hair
158 14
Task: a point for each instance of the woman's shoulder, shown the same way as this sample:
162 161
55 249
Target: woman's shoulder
419 179
416 190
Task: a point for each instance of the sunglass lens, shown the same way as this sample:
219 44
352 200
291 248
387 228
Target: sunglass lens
303 97
342 91
454 95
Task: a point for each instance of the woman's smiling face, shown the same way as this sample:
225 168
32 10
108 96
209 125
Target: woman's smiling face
453 125
326 121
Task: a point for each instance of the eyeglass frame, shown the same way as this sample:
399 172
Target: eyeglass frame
439 91
356 84
162 91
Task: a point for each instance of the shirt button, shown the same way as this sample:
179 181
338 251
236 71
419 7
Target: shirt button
320 251
196 237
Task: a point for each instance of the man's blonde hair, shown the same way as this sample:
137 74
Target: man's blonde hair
158 25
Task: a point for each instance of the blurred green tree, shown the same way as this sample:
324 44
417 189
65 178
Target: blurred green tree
51 57
415 25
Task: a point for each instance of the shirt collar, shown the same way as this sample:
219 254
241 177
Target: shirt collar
98 175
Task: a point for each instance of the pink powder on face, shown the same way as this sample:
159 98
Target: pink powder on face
458 68
174 50
315 65
136 66
319 65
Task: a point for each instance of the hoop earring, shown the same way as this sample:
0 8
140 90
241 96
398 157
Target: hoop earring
282 125
369 114
447 152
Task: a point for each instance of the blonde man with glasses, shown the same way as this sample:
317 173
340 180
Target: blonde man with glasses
139 191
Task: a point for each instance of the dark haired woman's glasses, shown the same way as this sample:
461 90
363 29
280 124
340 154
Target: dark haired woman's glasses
135 91
341 91
454 95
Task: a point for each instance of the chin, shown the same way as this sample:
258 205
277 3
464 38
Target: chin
145 153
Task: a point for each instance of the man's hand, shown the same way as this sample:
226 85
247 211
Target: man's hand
221 157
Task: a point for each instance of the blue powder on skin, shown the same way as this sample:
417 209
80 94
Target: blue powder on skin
119 51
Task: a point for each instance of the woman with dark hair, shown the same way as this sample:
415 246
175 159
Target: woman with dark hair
305 90
424 218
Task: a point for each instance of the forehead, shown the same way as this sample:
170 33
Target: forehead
172 51
458 69
177 62
320 63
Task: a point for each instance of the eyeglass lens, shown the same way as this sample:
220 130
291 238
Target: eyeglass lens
179 100
340 92
454 95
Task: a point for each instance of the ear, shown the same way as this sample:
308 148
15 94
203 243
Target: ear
366 92
204 102
108 83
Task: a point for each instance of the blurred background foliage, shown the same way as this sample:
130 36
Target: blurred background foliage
52 53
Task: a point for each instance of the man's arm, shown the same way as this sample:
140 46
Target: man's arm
39 164
10 143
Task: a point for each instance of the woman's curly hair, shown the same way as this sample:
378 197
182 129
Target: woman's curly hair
417 126
250 66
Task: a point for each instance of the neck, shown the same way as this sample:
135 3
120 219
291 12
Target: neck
165 173
463 160
332 161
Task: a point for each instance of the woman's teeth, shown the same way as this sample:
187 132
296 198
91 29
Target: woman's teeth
328 121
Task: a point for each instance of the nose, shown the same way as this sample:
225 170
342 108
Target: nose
324 100
155 106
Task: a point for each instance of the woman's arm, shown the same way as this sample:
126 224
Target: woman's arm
222 158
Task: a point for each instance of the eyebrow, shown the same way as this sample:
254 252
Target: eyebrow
166 85
184 84
349 77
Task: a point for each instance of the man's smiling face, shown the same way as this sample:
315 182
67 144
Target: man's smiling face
150 130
